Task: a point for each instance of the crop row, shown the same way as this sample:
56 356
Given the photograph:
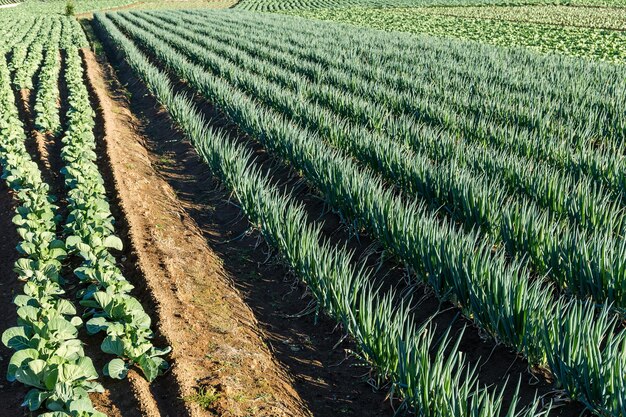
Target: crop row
498 293
46 108
485 202
24 70
20 48
48 356
90 236
380 322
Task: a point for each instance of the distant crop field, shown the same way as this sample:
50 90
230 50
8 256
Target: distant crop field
275 5
568 16
58 7
82 7
595 33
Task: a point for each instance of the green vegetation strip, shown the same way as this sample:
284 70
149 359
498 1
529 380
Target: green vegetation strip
605 45
432 382
80 7
48 356
58 7
498 293
46 108
277 5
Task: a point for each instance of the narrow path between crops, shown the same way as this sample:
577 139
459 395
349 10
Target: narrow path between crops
143 402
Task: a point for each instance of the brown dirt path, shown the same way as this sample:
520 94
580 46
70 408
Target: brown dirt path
213 333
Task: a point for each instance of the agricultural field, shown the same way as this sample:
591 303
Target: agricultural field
49 356
84 8
584 17
226 212
278 5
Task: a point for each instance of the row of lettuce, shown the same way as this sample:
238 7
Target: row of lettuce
49 353
528 243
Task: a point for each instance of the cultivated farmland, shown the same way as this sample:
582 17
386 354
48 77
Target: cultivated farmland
277 5
595 33
240 213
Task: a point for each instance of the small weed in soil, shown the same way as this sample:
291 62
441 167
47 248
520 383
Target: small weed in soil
205 397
